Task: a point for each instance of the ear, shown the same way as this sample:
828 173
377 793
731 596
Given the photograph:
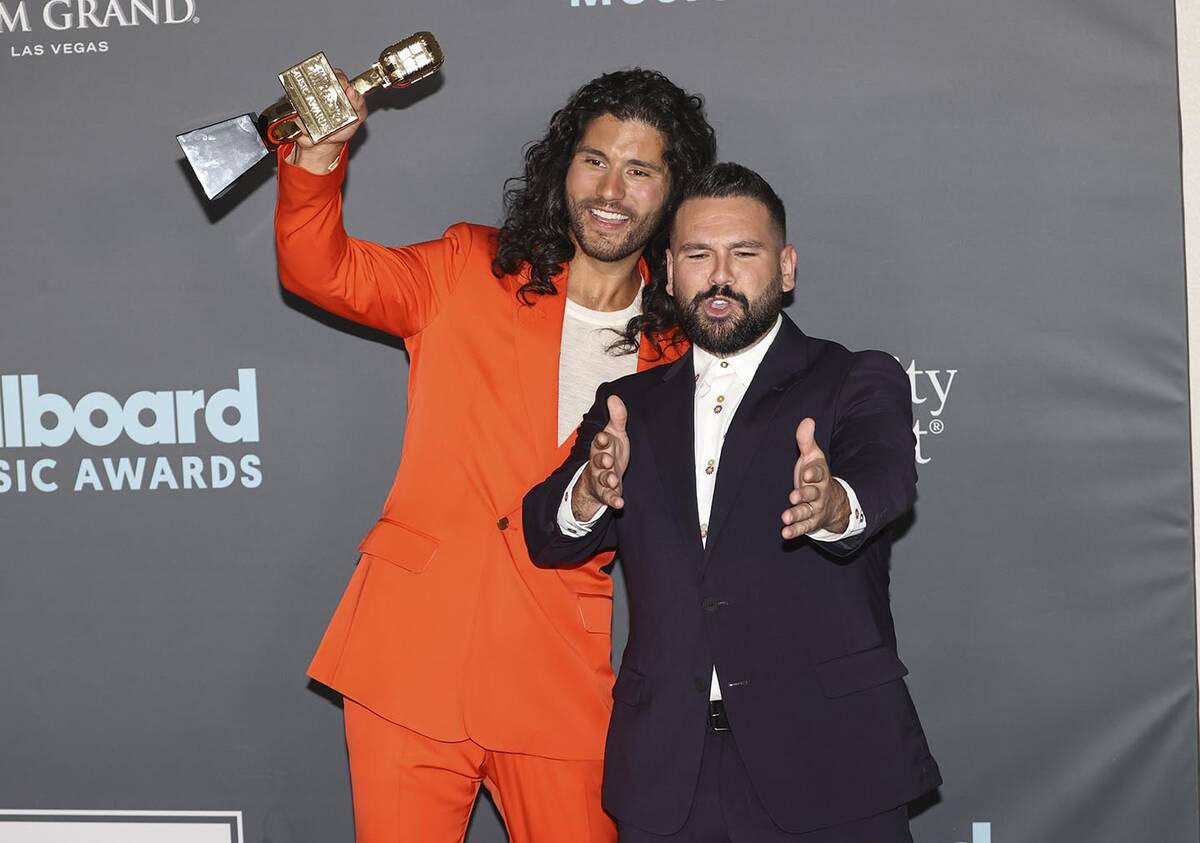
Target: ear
670 273
787 267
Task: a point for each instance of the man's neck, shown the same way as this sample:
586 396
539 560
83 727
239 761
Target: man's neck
603 285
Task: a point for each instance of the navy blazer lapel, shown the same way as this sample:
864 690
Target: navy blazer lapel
784 365
670 420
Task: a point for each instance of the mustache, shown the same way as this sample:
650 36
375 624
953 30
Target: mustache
723 291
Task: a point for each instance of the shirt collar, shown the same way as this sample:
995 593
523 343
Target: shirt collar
744 363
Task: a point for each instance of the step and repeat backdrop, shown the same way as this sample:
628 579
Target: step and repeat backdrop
989 190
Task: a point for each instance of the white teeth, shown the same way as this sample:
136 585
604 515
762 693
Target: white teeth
720 304
608 216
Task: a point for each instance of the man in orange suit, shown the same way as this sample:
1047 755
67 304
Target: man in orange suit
459 660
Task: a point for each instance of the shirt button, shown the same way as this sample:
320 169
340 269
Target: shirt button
503 523
701 685
710 604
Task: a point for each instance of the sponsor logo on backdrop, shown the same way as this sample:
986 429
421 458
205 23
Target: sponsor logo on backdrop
78 27
215 428
121 826
930 392
582 4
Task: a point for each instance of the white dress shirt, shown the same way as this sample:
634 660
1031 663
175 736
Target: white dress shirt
721 382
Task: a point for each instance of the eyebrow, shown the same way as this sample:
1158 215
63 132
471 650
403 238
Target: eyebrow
637 162
741 244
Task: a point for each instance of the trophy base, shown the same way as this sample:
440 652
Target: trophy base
221 153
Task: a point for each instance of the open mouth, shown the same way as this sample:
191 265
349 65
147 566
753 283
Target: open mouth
719 306
608 219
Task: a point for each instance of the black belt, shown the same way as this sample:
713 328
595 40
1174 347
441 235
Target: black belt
718 720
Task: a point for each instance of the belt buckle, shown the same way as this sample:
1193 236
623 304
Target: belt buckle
718 720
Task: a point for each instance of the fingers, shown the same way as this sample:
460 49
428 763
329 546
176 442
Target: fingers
617 414
606 487
356 99
608 458
805 494
806 437
811 467
814 473
811 478
800 520
603 480
801 512
602 460
612 498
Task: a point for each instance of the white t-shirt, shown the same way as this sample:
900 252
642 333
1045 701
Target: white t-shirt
584 361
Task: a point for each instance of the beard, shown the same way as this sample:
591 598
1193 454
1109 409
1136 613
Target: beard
730 334
614 247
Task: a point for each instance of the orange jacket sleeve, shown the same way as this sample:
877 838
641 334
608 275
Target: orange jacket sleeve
398 289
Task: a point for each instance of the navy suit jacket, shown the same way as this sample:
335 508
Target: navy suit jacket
801 633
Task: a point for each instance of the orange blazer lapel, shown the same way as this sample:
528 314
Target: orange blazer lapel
538 331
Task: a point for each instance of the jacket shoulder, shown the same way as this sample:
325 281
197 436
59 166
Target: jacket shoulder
834 354
637 384
480 239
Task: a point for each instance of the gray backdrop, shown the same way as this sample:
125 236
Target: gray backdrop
987 188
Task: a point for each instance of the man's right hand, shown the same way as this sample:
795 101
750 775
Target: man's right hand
601 481
319 157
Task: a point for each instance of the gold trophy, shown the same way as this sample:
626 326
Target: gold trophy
314 102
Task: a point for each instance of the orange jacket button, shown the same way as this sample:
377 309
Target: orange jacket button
502 523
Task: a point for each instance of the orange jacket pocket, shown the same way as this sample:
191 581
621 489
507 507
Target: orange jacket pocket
596 612
400 544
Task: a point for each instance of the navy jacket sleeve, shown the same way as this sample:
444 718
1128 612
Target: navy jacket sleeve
872 446
548 547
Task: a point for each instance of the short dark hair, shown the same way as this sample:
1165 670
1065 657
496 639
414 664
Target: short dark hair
728 180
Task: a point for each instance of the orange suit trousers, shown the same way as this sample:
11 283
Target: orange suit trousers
409 788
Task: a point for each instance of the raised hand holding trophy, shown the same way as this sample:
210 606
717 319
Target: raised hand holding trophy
314 103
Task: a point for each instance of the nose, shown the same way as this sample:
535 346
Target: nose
612 186
722 271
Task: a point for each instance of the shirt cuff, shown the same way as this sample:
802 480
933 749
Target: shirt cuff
858 521
568 524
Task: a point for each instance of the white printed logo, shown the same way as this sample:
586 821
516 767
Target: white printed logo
930 390
86 15
33 419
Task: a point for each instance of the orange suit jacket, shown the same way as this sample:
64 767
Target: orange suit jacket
446 626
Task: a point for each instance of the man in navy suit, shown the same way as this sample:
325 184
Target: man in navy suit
749 487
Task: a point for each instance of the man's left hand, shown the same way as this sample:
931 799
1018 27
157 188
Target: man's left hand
817 501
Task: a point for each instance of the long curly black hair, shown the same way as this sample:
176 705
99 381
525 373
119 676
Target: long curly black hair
535 234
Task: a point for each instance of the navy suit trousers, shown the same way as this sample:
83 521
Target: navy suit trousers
726 809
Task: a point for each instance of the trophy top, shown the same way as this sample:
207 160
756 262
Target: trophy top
411 60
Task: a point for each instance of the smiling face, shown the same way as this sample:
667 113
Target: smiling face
616 188
727 270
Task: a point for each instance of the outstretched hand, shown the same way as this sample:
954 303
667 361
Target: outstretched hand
601 481
817 501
